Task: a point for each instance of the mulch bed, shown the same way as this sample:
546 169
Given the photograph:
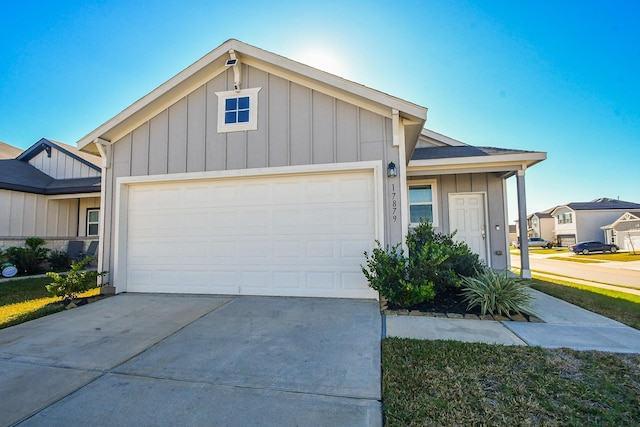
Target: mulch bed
450 304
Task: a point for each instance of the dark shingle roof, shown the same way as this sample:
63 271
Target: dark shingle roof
17 175
603 203
451 152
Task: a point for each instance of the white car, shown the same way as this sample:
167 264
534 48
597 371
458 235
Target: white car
535 242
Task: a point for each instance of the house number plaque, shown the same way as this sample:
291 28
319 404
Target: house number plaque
394 203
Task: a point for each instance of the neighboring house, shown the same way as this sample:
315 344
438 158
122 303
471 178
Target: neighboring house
581 221
51 190
540 224
249 173
8 151
624 231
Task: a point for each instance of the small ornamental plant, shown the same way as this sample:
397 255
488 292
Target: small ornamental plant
68 286
496 292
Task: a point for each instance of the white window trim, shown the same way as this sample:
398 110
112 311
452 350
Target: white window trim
252 124
434 199
89 223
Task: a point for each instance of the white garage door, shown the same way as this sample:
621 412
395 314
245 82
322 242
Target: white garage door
301 235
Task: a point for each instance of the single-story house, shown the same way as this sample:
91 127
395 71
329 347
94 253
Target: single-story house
250 173
582 221
624 231
51 190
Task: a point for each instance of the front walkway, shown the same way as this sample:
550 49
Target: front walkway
566 325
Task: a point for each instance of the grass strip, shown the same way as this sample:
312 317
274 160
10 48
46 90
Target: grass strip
574 259
22 300
625 308
434 383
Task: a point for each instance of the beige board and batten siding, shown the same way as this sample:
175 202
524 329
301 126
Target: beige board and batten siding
61 166
29 215
297 125
492 187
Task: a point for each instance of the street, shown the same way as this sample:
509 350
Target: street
625 274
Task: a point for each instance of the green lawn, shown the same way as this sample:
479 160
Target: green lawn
26 299
580 259
618 256
454 383
438 383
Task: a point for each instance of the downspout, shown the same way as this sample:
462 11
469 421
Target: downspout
105 150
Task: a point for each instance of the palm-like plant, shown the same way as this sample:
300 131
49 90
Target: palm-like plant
496 293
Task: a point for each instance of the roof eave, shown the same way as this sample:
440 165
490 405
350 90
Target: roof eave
507 164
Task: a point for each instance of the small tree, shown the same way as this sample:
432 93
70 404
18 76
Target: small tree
68 286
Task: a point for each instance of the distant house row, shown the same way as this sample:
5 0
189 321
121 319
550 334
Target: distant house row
50 190
604 219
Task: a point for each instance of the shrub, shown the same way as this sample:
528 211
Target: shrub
435 261
59 261
496 293
29 259
454 259
68 286
388 272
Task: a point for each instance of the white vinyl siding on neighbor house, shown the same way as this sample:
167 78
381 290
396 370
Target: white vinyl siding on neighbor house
28 215
61 166
293 234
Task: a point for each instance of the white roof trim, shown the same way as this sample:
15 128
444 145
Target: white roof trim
438 137
495 163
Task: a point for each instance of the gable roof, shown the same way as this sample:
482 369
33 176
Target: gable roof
629 216
603 203
213 64
540 215
8 151
18 175
45 144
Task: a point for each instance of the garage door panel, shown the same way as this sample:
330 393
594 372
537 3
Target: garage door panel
284 235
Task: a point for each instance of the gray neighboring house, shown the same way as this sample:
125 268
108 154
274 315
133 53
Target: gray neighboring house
51 190
624 231
582 221
539 224
249 173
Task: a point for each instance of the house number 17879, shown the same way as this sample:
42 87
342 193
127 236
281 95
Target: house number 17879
394 203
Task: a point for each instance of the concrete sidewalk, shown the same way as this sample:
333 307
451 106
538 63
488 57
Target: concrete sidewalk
566 325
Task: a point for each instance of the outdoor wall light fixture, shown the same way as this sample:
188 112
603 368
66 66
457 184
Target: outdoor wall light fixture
392 170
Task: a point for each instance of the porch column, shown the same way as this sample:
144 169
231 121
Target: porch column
525 269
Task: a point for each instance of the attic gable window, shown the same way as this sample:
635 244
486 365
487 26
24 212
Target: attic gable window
238 110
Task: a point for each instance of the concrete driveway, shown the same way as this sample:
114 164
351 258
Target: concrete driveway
137 359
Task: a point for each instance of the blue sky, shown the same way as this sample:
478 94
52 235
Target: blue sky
561 77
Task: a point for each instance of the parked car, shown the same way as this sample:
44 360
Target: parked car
585 248
535 242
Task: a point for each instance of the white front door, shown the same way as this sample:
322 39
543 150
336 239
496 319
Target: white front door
467 218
